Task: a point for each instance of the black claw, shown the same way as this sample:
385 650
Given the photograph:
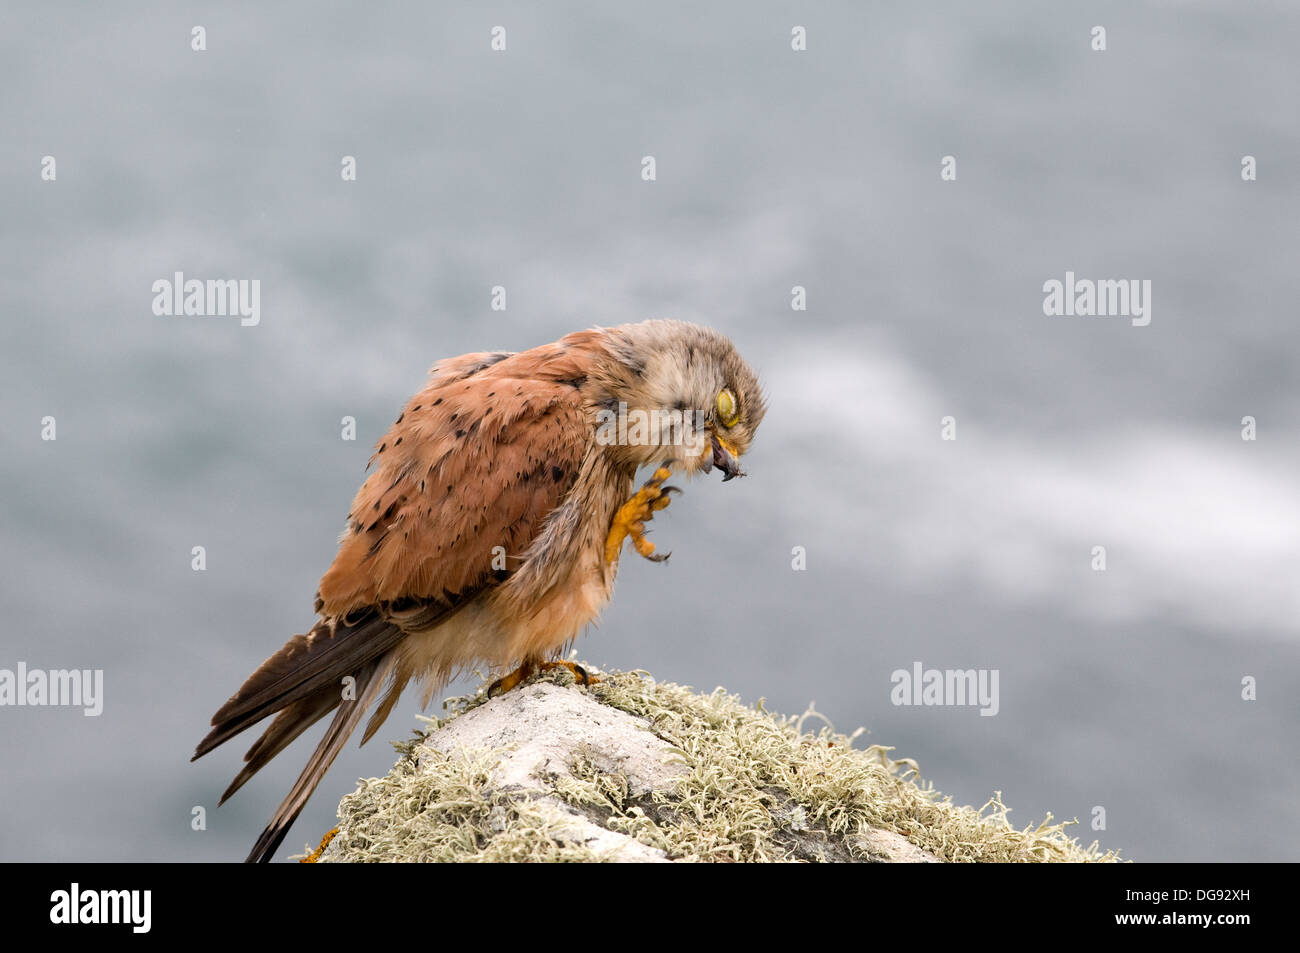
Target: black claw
659 557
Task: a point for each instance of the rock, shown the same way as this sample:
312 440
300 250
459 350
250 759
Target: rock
542 728
637 771
542 731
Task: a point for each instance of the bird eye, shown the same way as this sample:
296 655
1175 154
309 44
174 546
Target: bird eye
727 407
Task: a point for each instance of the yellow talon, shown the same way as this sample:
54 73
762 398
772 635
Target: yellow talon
643 545
508 682
580 675
632 516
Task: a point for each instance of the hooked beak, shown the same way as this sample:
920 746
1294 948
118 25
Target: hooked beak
724 458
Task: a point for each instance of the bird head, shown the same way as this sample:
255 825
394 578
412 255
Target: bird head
680 394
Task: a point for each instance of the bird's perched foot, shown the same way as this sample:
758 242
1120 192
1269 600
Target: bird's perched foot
516 678
580 675
632 516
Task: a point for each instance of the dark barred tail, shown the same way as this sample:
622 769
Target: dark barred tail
368 683
301 684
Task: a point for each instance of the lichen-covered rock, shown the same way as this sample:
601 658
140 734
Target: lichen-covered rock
633 770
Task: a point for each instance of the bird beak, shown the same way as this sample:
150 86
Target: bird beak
724 458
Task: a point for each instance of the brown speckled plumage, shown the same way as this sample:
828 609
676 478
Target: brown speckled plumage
479 536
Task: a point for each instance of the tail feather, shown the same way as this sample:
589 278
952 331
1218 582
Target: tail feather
301 684
305 666
288 725
402 673
369 680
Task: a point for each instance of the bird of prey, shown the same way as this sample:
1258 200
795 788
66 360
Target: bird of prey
490 530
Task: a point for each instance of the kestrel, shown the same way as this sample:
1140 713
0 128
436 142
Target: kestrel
490 530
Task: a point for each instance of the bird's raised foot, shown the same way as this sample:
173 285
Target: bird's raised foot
516 678
632 516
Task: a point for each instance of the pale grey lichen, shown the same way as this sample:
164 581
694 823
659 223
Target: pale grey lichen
751 786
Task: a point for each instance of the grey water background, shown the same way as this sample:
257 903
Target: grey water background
1119 689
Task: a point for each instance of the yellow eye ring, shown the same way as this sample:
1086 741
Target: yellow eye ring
727 411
